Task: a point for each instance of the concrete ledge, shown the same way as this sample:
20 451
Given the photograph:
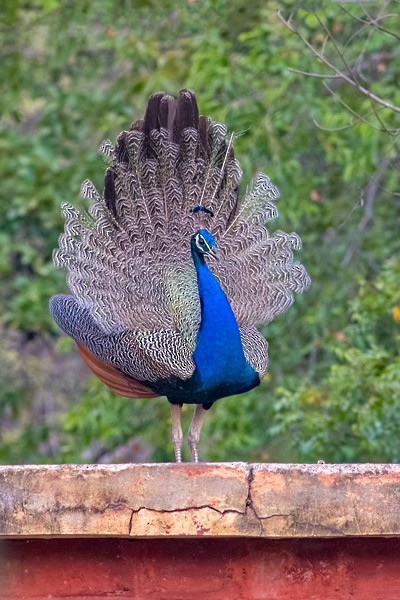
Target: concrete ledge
206 499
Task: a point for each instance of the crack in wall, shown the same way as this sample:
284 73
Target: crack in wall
249 500
248 508
189 509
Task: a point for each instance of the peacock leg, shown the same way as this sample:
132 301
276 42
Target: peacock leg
194 431
176 411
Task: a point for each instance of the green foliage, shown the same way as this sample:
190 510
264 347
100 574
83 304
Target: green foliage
76 73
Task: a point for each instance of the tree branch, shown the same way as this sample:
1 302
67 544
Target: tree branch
339 74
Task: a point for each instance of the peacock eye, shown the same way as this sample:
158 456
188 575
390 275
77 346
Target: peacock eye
200 242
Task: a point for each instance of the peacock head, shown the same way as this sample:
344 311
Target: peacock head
204 244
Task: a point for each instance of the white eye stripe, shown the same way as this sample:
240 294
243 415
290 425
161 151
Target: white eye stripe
197 241
199 238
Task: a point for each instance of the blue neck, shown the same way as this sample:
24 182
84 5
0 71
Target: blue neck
219 355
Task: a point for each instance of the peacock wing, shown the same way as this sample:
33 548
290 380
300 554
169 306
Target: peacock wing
183 302
255 348
146 356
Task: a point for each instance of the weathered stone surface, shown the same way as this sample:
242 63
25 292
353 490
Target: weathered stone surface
327 500
227 499
125 500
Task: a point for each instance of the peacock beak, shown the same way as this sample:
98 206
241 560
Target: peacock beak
215 253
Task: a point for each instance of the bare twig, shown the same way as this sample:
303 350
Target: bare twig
374 22
335 45
332 129
367 200
309 74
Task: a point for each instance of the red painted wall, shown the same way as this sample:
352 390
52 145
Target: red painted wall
197 569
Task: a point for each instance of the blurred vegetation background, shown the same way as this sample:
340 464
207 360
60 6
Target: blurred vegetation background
75 73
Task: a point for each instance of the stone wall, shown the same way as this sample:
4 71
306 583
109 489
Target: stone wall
193 531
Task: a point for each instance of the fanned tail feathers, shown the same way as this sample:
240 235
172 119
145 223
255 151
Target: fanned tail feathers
128 260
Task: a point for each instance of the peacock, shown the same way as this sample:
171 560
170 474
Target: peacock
170 272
